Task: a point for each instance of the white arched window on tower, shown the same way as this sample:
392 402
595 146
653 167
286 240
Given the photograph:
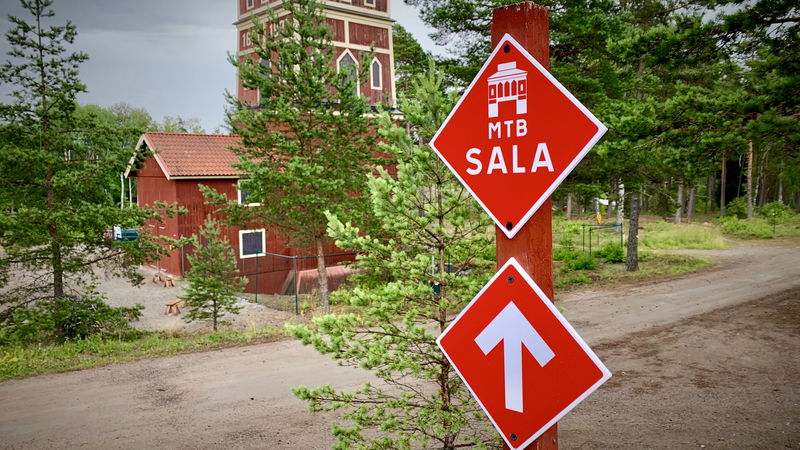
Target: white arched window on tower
375 74
347 64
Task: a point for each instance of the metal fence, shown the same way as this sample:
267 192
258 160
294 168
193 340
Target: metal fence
598 233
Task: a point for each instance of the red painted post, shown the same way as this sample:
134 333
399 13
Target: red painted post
527 22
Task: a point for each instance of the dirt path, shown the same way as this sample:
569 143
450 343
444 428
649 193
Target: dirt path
709 359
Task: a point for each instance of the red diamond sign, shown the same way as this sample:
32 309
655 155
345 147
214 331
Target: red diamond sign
515 135
523 362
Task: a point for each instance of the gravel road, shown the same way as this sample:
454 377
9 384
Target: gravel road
708 359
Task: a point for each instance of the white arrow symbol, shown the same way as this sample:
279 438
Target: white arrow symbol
514 329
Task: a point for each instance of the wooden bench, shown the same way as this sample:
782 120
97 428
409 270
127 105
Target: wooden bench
173 307
165 280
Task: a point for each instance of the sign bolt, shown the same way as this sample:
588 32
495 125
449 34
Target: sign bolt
506 48
510 279
513 437
509 225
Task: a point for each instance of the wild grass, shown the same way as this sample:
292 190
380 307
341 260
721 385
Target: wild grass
758 228
21 360
669 236
651 266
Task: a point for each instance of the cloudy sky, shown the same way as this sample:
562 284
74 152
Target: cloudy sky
167 56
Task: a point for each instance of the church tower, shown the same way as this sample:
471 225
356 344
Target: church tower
356 25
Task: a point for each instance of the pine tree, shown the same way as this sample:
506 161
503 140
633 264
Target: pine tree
213 281
55 166
308 144
431 256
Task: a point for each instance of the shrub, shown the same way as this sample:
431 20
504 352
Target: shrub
573 278
737 207
69 319
579 261
564 253
611 253
745 228
776 212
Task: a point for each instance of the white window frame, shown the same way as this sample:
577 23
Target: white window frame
249 4
263 232
372 80
239 191
339 68
369 3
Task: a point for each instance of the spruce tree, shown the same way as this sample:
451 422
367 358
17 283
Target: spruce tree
308 144
431 256
56 165
213 280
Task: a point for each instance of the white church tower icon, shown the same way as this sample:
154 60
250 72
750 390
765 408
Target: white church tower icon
508 83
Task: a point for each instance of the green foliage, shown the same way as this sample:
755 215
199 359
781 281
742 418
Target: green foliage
564 253
611 253
746 228
737 208
579 261
309 143
430 232
669 236
776 212
57 161
409 59
180 125
21 360
213 280
570 279
69 319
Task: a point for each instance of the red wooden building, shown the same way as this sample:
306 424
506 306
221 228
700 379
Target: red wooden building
169 167
356 25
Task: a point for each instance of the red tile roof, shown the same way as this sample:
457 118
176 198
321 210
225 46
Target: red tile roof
183 155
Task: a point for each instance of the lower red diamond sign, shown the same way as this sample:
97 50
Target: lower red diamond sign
520 358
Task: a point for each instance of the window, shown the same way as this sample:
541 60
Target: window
375 74
250 4
266 64
252 243
370 3
347 64
244 195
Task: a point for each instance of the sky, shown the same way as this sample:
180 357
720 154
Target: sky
161 56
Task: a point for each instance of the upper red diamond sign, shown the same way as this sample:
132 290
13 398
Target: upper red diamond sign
515 135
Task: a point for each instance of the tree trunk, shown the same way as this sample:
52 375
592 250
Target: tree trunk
621 204
611 193
750 180
215 313
722 180
569 206
632 256
56 258
322 270
679 211
692 203
710 191
780 188
762 183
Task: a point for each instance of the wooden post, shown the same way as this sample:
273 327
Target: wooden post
533 245
750 180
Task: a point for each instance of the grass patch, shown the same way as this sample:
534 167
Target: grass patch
651 266
19 360
670 236
758 228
